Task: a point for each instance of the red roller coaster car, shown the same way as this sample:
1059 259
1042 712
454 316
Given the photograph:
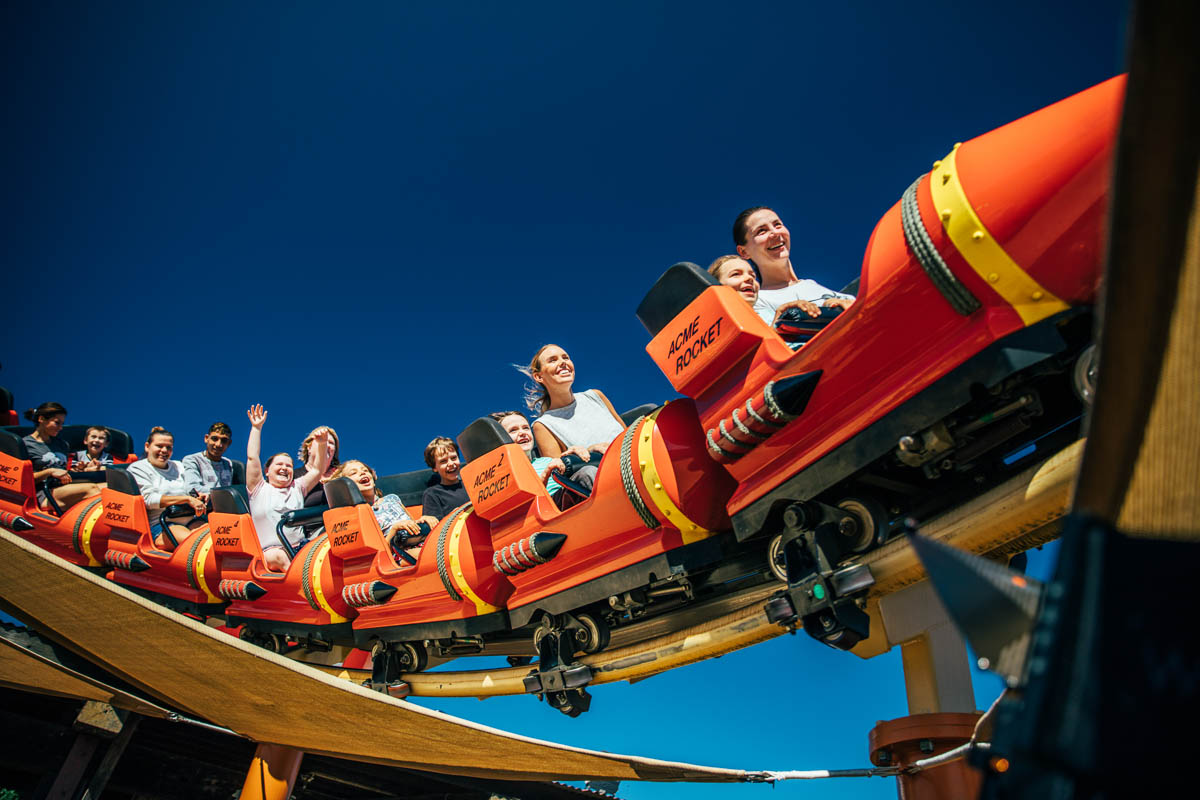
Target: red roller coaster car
966 355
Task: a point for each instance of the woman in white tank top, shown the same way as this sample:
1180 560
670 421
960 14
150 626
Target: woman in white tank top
569 422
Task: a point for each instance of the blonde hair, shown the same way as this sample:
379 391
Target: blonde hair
340 472
714 268
537 396
302 453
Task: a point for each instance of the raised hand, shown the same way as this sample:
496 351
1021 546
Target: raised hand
257 415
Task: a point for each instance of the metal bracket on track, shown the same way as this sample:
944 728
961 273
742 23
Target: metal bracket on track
559 678
821 599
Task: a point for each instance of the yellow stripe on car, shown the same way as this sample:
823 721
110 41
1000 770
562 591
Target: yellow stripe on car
650 477
85 535
201 555
1031 300
318 592
455 567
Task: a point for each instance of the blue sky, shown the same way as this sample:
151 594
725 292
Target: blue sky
363 214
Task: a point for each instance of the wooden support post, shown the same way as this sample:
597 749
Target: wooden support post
272 773
98 724
112 755
74 768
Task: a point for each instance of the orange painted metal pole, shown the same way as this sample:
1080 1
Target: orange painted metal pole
272 773
900 742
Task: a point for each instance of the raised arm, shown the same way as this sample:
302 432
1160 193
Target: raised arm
254 467
318 461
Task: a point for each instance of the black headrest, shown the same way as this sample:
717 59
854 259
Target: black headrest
121 481
408 486
629 417
672 293
11 444
120 443
342 492
229 501
6 399
482 437
239 473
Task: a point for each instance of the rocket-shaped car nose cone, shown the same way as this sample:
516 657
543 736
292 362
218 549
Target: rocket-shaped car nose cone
1025 205
382 592
546 544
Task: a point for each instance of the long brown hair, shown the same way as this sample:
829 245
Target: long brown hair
537 396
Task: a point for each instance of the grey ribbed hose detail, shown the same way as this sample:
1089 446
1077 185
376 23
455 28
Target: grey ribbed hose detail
79 523
306 576
443 570
959 296
191 559
631 489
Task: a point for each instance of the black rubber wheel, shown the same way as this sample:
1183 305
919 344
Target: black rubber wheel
539 633
871 522
596 632
571 702
413 656
776 563
274 642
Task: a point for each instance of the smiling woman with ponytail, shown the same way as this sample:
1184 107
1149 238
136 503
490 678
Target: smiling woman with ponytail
49 454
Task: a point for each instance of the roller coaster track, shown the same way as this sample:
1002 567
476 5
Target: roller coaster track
1015 516
210 675
163 656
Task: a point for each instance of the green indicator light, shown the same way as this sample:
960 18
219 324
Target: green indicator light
819 592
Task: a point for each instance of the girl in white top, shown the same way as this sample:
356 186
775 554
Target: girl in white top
569 422
272 490
389 510
161 482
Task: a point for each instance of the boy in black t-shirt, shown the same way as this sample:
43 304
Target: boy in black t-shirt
440 499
